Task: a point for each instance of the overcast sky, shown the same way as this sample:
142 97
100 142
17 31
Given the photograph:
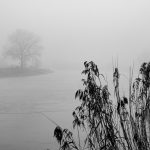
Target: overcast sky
73 31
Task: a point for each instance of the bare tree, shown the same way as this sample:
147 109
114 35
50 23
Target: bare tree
24 47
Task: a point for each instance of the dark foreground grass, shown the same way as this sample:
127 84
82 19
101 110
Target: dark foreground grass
119 124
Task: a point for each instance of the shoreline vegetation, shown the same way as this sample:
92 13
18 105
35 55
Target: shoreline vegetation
9 72
119 124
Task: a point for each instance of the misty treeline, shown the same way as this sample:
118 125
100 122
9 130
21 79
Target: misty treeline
119 124
24 47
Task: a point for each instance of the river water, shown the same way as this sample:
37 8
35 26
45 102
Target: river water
31 106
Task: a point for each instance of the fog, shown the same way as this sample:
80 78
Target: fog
71 32
75 31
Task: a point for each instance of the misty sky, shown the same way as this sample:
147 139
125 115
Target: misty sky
73 31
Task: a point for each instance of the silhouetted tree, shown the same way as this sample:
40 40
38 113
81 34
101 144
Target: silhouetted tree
23 46
122 125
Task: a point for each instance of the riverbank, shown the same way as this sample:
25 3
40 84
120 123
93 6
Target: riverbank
18 72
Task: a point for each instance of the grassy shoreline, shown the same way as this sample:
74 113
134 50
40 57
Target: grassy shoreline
18 72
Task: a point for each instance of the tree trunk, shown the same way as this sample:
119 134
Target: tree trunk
21 62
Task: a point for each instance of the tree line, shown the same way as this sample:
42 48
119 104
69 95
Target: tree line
24 47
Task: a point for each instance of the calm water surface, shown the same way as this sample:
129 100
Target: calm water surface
22 126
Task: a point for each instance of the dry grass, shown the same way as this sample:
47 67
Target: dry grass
124 127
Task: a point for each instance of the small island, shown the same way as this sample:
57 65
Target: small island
18 72
24 51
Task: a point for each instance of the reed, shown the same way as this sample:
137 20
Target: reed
124 127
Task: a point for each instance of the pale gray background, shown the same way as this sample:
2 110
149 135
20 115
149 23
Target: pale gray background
76 30
71 31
